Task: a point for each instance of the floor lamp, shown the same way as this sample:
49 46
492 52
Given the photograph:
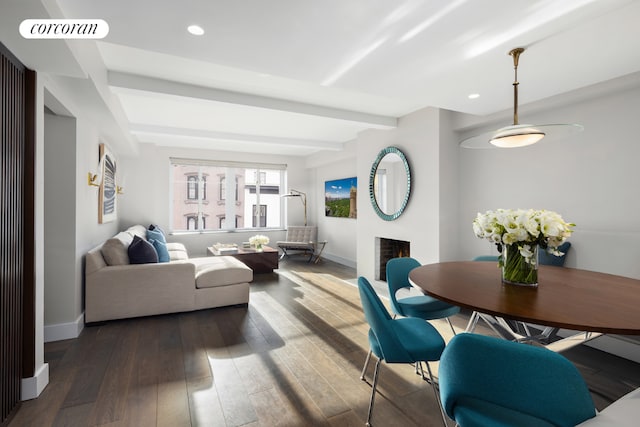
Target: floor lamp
303 199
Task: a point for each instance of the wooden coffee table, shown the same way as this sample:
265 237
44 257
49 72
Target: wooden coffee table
260 262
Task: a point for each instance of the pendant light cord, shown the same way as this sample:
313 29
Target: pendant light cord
515 53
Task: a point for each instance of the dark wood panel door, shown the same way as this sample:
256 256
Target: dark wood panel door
16 197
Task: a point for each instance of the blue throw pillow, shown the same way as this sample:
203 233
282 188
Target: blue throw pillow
156 235
141 252
161 249
155 227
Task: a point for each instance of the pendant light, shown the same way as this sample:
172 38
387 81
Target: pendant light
518 135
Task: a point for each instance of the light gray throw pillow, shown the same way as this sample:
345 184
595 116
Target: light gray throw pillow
114 250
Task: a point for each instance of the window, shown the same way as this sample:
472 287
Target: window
249 193
193 182
223 189
192 187
262 175
192 222
204 188
262 214
222 221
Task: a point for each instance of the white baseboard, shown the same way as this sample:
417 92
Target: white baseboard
339 260
32 387
618 346
64 331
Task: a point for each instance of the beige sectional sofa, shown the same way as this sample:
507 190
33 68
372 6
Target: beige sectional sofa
115 289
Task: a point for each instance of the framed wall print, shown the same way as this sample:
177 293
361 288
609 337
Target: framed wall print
107 208
340 198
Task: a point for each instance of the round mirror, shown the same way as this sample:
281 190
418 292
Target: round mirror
390 183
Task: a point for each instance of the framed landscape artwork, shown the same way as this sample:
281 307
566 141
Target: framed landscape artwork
340 198
107 192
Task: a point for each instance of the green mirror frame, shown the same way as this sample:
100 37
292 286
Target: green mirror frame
372 177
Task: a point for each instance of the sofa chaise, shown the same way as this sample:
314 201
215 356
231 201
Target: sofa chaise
117 289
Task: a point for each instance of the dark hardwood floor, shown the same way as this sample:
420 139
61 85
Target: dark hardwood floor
291 358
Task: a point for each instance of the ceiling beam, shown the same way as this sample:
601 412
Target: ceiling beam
140 129
151 84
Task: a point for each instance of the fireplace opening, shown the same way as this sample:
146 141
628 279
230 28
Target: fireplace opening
387 249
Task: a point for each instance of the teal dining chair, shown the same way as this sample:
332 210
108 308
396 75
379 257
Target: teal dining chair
544 258
420 306
493 258
401 340
490 382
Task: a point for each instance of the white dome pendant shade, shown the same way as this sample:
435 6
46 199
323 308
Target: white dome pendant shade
518 135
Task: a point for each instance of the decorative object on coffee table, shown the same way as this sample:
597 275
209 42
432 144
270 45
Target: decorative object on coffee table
264 261
258 241
225 248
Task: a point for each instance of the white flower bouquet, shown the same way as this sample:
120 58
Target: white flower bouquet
258 241
520 231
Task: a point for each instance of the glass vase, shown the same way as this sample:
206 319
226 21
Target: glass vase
519 264
258 247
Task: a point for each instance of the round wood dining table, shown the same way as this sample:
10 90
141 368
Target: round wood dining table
567 298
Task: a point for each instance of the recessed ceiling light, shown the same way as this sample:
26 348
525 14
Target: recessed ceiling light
196 30
474 96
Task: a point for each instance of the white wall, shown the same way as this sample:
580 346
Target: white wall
71 217
418 136
61 302
146 198
70 207
31 387
340 233
450 183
